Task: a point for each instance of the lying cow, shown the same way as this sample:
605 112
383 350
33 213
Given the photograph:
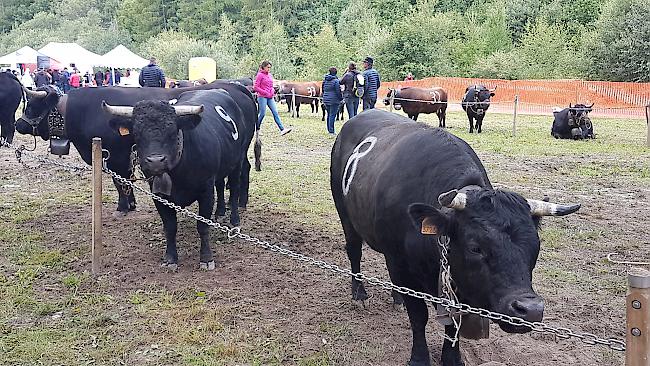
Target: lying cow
11 93
77 117
403 188
413 101
573 123
476 102
306 93
187 83
186 148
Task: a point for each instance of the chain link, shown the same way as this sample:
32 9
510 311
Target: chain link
559 332
21 152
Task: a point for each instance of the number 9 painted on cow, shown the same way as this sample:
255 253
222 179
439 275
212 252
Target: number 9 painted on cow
224 115
353 162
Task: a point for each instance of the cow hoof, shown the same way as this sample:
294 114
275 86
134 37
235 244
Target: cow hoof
258 166
170 267
209 266
360 304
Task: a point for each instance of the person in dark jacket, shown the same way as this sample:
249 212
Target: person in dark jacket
99 78
348 81
42 78
331 98
373 82
152 75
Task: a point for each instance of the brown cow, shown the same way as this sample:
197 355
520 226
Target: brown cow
306 93
433 100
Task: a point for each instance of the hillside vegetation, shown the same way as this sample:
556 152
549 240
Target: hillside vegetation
515 39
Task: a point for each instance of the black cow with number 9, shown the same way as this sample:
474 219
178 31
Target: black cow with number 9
185 148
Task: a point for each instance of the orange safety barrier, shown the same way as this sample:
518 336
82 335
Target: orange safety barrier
611 99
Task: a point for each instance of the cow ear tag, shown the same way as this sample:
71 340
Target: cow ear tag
124 131
429 227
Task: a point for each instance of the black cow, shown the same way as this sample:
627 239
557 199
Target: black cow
573 123
476 102
393 180
11 93
186 148
83 118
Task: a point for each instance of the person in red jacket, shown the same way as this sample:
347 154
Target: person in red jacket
75 80
263 86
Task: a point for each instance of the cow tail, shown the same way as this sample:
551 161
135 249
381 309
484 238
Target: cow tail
257 150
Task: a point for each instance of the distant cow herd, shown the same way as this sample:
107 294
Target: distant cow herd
404 188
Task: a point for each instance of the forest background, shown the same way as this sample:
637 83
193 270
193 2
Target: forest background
513 39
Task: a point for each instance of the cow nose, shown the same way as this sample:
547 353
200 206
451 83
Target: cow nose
528 307
156 163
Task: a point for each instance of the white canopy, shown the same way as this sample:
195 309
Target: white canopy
72 53
25 55
122 58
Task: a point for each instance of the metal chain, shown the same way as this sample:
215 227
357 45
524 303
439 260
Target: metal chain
559 332
21 152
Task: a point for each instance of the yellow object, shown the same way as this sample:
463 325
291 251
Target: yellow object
203 67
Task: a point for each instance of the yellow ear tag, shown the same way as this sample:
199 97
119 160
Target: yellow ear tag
428 227
124 131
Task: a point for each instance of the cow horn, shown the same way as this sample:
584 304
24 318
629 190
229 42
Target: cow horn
35 93
592 104
453 199
541 208
493 89
570 106
121 111
185 110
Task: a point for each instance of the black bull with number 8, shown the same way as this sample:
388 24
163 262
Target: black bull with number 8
403 187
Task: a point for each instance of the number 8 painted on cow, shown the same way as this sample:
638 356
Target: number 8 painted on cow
225 116
353 162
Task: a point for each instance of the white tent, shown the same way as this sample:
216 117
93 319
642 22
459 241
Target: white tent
25 55
72 53
121 57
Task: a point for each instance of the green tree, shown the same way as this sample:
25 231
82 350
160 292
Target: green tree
320 52
359 29
270 42
173 50
144 19
620 46
226 49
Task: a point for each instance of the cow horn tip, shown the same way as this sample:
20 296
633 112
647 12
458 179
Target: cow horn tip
566 210
446 198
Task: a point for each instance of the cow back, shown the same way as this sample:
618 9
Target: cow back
408 162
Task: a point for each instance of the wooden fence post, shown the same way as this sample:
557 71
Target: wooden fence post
637 340
96 245
392 100
647 122
293 102
514 118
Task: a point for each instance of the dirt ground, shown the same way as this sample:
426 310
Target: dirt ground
307 311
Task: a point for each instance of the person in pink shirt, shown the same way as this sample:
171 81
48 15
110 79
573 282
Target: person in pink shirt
263 86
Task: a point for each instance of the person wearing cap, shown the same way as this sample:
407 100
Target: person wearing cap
372 84
152 75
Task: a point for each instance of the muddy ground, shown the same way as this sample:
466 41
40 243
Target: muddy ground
286 312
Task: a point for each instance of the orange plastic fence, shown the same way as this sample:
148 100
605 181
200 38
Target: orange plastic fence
611 99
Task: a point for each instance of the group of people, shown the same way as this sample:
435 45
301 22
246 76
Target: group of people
357 86
67 80
353 87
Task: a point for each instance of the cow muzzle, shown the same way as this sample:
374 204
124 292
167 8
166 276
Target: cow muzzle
155 164
528 306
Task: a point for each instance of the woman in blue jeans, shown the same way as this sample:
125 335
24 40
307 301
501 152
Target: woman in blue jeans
331 98
263 86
